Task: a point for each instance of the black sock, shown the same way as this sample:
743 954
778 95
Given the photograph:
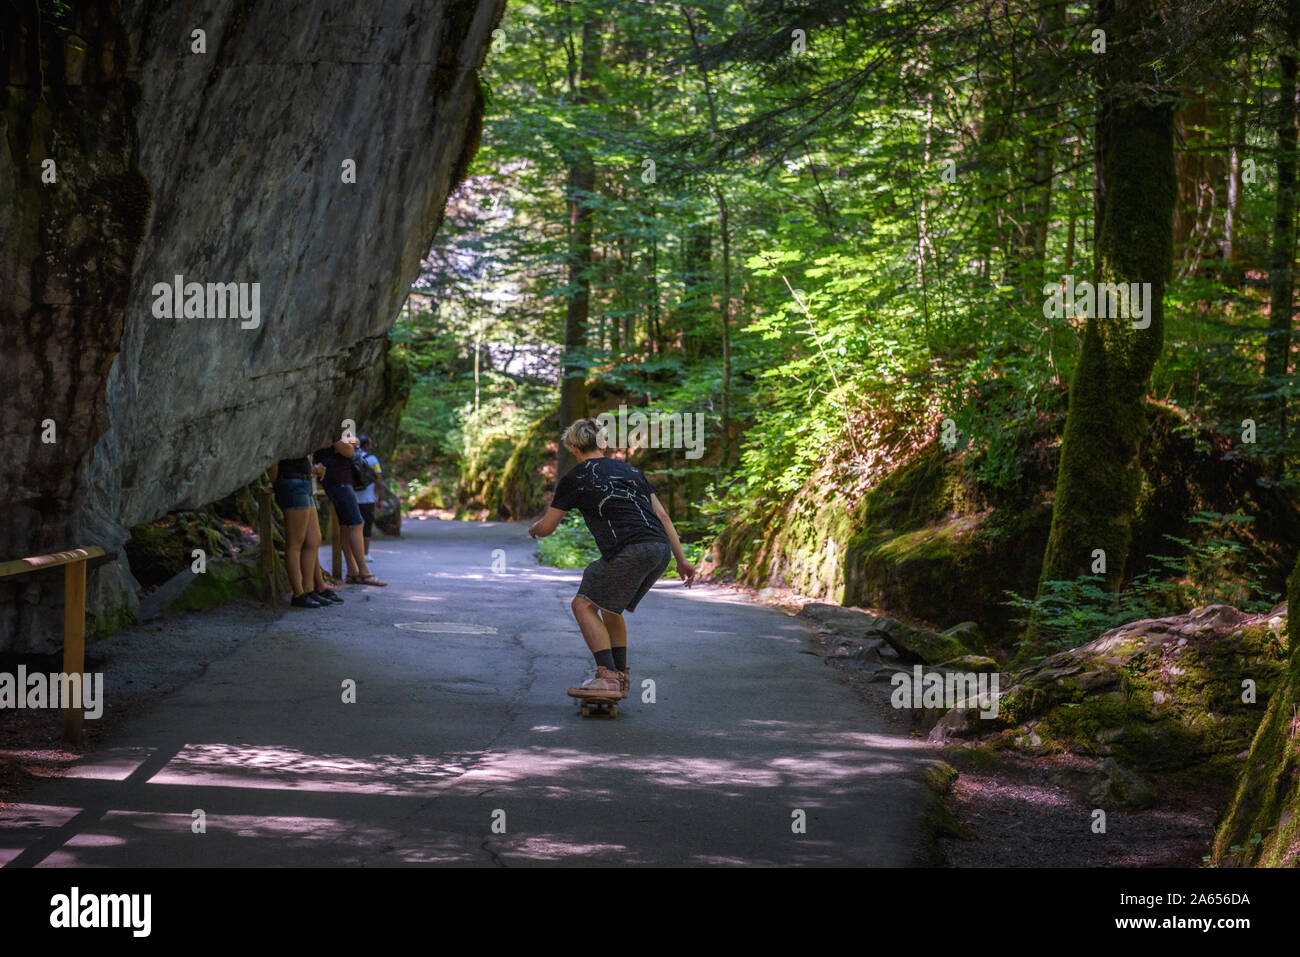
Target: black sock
604 658
620 657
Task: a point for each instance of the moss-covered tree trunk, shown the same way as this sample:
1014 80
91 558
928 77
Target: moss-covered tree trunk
1277 350
1261 826
1098 479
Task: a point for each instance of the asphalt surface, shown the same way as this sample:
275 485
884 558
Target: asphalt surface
462 747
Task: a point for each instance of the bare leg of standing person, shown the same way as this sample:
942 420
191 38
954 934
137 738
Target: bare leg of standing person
352 543
295 529
311 570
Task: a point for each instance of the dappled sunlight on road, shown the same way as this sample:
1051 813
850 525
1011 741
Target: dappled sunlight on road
267 766
460 714
437 789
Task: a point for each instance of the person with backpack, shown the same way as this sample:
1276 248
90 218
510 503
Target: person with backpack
340 479
636 539
370 497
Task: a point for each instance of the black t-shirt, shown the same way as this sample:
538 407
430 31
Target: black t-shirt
614 499
338 468
299 468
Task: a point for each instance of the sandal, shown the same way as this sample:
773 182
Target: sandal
369 580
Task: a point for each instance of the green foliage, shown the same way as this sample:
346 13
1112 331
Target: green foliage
869 295
1210 571
569 546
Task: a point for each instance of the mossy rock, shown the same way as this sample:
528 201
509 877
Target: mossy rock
156 551
916 645
932 541
799 544
979 664
1109 784
109 622
954 571
159 550
967 632
389 520
224 581
521 490
938 821
1161 696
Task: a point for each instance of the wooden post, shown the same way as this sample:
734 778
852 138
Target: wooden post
266 530
74 642
336 542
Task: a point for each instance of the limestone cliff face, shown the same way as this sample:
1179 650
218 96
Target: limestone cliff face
224 166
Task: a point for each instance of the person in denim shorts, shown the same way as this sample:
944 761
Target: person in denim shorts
291 482
337 459
636 539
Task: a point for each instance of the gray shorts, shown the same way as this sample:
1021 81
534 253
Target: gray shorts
617 584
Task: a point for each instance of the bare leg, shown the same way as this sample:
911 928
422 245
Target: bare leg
345 544
311 552
617 628
593 629
352 549
296 521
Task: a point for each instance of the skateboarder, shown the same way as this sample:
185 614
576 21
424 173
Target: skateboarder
636 538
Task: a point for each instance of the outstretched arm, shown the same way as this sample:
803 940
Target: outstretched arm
684 568
547 523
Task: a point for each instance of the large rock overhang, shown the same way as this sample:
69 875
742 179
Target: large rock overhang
230 165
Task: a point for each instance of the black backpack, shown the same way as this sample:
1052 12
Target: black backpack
363 473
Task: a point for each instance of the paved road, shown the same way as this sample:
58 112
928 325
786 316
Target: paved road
461 726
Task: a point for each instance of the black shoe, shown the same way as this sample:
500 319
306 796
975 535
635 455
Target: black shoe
305 600
328 596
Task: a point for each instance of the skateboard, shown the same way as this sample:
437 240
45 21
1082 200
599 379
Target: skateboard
599 707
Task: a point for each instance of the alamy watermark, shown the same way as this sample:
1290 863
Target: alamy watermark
214 300
947 691
1106 300
658 430
56 690
74 910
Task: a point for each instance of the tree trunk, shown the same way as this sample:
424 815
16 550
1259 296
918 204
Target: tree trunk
1232 224
697 250
1038 119
723 222
720 196
1098 478
1277 348
582 184
652 320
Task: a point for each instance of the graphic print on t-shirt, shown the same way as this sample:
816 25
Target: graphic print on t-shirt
614 499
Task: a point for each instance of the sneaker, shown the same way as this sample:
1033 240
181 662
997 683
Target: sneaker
625 679
328 597
605 684
305 600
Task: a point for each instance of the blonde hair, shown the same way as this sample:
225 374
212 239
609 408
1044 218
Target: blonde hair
583 435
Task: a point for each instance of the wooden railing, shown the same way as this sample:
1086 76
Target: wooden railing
74 615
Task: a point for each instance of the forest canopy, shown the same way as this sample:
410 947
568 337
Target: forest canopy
856 235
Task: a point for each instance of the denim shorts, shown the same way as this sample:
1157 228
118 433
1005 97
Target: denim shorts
293 493
344 498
